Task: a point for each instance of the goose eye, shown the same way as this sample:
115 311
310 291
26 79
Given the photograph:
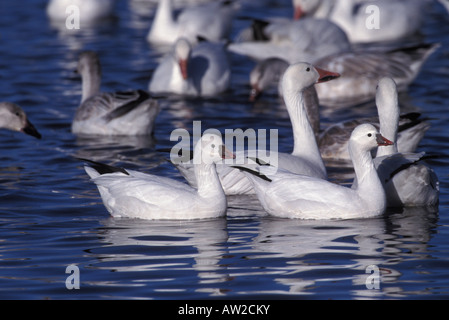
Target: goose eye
308 69
369 135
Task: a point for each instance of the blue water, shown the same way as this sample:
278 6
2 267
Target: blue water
51 215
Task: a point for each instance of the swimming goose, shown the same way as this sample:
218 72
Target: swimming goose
406 179
302 40
110 113
305 158
133 194
89 10
212 21
369 21
12 117
364 23
257 32
268 74
333 142
288 195
200 70
360 71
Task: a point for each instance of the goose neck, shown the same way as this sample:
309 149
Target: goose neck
209 185
91 81
343 12
164 15
388 121
324 10
312 108
369 186
303 135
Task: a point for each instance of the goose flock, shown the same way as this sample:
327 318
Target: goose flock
325 55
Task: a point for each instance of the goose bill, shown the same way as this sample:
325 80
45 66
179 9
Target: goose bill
183 67
326 75
31 130
226 153
382 141
299 13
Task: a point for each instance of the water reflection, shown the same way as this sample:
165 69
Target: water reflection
302 255
406 239
159 250
314 248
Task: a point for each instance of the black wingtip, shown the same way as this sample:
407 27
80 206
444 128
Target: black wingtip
418 48
227 2
410 120
102 168
200 39
260 162
258 30
424 157
127 107
254 173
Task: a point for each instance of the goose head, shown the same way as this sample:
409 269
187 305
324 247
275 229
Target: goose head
182 50
366 137
302 75
211 149
13 117
266 74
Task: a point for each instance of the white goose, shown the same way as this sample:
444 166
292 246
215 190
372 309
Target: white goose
290 195
89 10
406 179
305 158
133 194
360 71
268 74
212 21
12 117
202 70
302 40
369 21
352 17
110 113
333 142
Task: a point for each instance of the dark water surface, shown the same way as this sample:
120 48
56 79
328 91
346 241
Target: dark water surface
51 215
